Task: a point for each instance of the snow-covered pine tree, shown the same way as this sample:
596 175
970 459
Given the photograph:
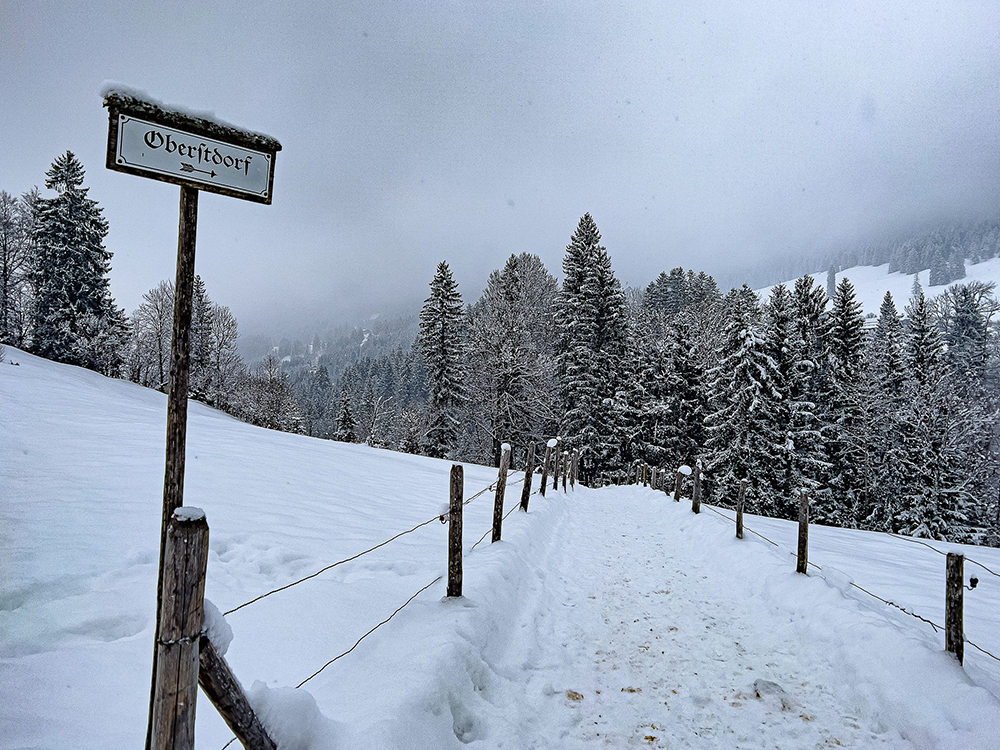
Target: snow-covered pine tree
74 318
924 349
845 342
316 403
744 439
591 318
201 340
442 341
345 421
880 436
800 455
511 373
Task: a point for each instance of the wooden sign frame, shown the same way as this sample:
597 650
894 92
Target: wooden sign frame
122 105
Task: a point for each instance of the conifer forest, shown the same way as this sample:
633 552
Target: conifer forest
889 422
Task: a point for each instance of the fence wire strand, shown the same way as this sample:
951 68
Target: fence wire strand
358 642
866 591
932 547
360 554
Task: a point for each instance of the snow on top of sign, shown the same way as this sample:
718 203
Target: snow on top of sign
140 102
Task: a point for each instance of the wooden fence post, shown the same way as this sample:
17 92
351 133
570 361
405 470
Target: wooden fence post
529 469
545 465
739 508
696 492
645 475
455 531
501 490
175 682
572 469
678 482
954 628
223 689
802 562
565 469
555 466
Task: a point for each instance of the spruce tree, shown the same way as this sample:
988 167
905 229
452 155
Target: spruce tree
345 420
745 440
591 318
74 319
845 341
442 341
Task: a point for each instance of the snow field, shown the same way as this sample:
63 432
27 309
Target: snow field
694 639
872 282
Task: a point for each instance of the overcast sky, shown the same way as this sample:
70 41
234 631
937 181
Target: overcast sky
706 135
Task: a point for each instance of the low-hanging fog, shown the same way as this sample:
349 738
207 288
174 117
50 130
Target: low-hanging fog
715 136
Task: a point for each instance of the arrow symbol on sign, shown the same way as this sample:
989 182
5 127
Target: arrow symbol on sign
190 168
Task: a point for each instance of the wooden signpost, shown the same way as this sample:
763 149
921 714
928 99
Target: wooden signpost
149 140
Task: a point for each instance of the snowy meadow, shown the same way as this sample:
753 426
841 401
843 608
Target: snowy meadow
604 617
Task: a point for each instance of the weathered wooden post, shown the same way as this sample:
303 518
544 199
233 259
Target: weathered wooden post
175 681
645 475
565 469
501 491
802 562
226 694
455 531
739 508
573 469
545 465
678 483
696 492
954 627
529 469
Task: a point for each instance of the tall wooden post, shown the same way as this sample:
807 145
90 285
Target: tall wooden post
678 483
696 492
954 627
802 561
565 469
501 490
529 468
645 475
739 508
455 531
177 399
545 467
572 469
175 679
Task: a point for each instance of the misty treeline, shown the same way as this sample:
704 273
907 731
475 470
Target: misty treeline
943 250
55 301
888 422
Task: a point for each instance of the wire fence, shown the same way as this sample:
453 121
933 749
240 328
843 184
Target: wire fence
901 608
442 518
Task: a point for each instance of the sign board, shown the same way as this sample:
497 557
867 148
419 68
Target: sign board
149 141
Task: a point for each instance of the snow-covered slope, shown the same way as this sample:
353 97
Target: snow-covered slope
872 282
605 618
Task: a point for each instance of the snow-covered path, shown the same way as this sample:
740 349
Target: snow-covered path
631 637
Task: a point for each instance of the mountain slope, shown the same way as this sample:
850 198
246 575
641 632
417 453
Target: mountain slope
872 282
